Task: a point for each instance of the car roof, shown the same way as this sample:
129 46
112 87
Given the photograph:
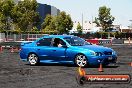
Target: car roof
59 36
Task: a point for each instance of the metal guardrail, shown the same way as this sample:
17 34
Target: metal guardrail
10 44
99 41
20 37
13 46
118 41
106 41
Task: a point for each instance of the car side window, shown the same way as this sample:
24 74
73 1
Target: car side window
68 39
58 42
44 42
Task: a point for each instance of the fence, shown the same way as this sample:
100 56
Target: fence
19 37
13 41
2 37
31 37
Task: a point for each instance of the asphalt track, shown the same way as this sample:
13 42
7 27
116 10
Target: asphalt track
17 74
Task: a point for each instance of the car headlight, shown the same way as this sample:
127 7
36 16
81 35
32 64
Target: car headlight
92 52
98 54
95 53
113 53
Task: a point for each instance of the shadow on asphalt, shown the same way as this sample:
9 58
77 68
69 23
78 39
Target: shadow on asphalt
111 66
45 64
103 67
69 65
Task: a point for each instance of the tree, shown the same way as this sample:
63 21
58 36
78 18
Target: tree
48 24
105 19
2 24
5 14
79 28
61 23
35 30
25 16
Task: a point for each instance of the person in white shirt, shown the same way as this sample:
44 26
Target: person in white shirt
60 44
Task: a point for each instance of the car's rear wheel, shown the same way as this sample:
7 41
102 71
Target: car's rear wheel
81 60
33 59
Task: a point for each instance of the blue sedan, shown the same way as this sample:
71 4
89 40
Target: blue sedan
66 49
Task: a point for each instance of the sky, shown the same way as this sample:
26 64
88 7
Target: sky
120 9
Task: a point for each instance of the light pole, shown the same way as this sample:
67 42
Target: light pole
82 21
130 25
120 27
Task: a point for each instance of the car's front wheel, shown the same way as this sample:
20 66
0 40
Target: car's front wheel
33 59
81 60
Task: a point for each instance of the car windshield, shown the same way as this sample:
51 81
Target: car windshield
76 41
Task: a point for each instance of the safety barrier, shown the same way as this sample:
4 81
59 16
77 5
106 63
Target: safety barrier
1 49
99 41
93 41
13 46
20 37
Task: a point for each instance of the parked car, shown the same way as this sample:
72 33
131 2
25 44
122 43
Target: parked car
66 49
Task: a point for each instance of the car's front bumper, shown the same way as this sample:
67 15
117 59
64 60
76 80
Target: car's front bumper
105 60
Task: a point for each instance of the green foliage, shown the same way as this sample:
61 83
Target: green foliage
105 19
60 24
22 16
49 23
79 28
63 23
17 31
25 16
35 29
5 14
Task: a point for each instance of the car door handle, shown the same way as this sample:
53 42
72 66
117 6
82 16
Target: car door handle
38 49
54 50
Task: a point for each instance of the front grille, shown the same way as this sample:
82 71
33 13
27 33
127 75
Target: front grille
107 53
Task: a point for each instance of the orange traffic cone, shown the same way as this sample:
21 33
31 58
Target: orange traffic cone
17 49
12 50
131 64
1 48
100 68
